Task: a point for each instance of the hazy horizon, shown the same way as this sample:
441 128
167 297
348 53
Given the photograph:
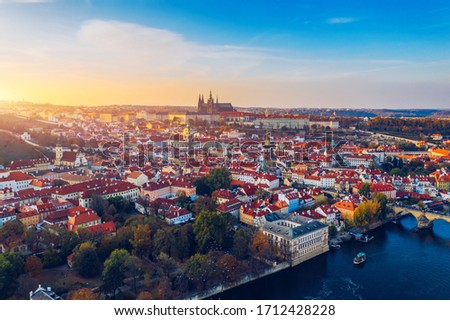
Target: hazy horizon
289 54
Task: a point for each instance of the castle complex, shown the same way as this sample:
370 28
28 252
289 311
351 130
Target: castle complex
211 107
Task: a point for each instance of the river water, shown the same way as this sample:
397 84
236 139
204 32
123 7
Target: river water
401 264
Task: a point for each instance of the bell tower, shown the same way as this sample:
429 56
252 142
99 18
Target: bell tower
58 155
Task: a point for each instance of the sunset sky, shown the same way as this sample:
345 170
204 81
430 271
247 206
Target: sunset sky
377 54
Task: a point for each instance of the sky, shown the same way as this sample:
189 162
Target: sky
317 53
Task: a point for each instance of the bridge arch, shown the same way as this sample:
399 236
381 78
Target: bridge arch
424 219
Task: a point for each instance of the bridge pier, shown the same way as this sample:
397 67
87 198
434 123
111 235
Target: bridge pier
424 223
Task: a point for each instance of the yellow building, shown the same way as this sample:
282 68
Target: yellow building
347 209
28 218
443 183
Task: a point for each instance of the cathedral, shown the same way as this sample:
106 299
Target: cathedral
211 107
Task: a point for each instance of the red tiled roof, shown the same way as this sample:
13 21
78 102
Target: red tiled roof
103 228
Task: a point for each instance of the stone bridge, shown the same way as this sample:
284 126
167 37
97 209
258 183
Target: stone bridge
424 219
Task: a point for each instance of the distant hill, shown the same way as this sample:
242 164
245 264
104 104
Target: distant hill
12 149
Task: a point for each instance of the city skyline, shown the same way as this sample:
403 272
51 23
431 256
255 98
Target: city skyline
288 54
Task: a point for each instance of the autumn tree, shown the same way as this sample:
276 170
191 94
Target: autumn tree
381 199
83 294
33 265
366 212
203 203
259 246
142 242
144 295
114 271
164 288
228 268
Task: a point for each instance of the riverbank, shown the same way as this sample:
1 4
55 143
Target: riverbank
401 264
222 288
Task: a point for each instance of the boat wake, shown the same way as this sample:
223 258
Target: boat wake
324 293
345 289
352 288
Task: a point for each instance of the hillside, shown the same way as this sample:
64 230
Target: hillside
12 149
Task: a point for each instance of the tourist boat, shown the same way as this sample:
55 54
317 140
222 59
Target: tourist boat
360 258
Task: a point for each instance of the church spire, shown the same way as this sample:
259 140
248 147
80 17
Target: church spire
267 112
210 95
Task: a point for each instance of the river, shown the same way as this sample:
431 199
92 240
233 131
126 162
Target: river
401 264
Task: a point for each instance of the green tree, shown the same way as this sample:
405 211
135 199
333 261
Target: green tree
241 241
32 240
99 204
210 229
262 194
199 269
165 242
17 262
332 231
8 278
118 202
11 229
69 240
86 261
135 270
202 187
51 258
364 190
185 241
183 200
218 178
397 172
114 271
166 264
112 211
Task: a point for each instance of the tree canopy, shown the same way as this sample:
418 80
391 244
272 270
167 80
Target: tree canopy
115 269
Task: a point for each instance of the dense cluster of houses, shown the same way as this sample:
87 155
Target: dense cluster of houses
145 160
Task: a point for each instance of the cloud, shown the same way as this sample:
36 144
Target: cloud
108 62
162 52
341 20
